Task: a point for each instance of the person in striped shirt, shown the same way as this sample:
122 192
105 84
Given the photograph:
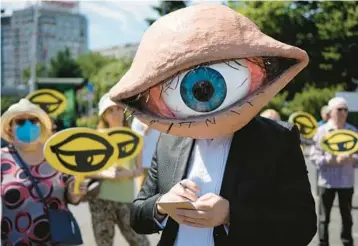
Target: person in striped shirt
336 174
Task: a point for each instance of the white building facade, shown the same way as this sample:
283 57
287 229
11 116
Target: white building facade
59 25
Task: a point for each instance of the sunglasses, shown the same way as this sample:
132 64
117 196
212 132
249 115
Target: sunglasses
21 122
342 109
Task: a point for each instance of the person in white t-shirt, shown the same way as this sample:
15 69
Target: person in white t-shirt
150 137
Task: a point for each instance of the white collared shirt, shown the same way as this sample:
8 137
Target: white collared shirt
206 168
150 141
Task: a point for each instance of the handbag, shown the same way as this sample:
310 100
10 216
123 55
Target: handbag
64 229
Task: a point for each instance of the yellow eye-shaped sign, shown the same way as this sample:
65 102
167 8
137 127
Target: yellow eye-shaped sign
128 142
80 152
305 122
340 142
51 101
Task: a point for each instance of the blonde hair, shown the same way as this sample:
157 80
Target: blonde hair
45 132
271 114
103 124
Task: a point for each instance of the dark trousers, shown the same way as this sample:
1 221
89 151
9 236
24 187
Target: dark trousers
327 196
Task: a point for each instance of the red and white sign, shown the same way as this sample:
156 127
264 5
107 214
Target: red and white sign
62 4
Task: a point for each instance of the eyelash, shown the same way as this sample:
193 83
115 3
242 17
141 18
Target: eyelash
271 67
168 82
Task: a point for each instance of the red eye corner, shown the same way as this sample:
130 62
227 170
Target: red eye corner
257 74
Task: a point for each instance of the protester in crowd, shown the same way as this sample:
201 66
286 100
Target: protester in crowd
112 204
271 114
219 175
24 220
151 137
336 174
324 115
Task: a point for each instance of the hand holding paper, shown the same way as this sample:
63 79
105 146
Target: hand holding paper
210 210
184 191
183 205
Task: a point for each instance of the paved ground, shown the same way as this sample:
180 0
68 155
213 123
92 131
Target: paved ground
335 225
82 214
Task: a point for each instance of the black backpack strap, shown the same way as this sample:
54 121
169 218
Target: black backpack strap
25 168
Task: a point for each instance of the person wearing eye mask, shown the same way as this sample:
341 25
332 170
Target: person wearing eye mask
335 174
200 76
26 127
111 205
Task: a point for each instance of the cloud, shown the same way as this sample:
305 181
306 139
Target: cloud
101 10
121 22
129 15
10 6
139 10
110 22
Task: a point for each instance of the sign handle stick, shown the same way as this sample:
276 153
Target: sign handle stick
79 179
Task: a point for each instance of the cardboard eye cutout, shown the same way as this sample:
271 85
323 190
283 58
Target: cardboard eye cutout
305 122
51 101
340 142
80 152
202 77
129 143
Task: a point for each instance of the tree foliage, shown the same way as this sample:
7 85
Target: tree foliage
7 101
311 100
327 31
40 72
108 76
92 62
87 121
166 7
64 66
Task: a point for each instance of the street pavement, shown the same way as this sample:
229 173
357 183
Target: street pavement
82 214
335 224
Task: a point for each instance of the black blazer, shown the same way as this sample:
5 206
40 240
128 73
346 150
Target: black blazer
265 181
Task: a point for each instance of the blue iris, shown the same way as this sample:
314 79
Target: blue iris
203 89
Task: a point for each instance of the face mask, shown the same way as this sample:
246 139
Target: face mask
28 132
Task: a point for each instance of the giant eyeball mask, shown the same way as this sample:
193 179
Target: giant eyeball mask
205 71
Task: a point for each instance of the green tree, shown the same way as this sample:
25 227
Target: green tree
278 103
7 101
327 31
165 7
64 66
40 72
92 62
312 99
108 76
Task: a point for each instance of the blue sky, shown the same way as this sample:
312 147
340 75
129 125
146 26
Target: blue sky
110 22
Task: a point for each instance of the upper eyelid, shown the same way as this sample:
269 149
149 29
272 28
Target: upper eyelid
168 82
232 66
171 78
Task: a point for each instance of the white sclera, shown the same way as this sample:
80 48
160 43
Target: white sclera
237 79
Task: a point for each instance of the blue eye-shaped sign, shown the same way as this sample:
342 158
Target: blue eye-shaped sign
340 142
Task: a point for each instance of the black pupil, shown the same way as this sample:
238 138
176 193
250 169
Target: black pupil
203 91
